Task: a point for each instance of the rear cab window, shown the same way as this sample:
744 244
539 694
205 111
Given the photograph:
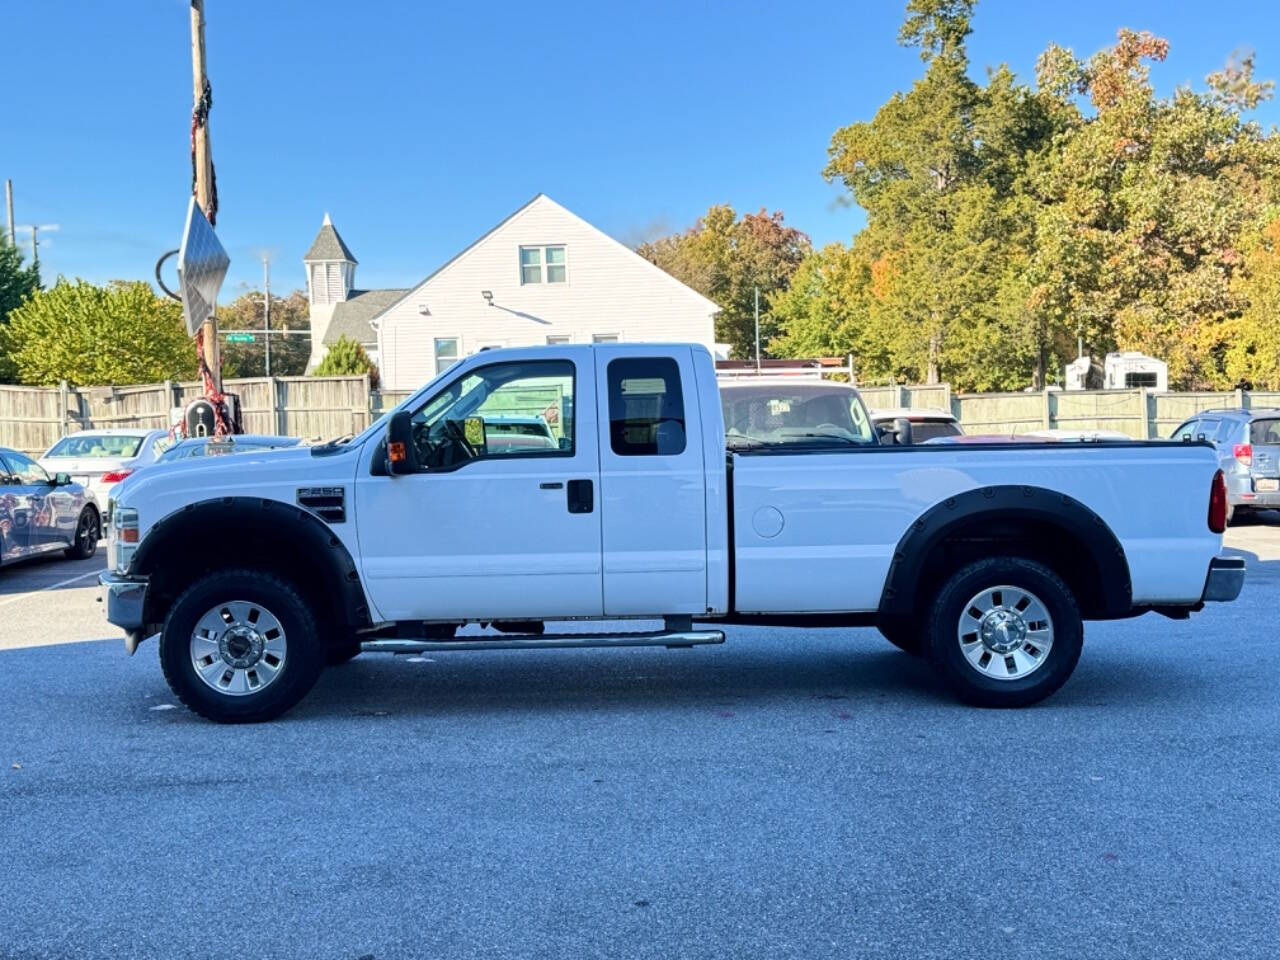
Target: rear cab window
646 407
1265 433
97 445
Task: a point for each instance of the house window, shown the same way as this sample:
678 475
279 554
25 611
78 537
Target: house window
604 338
446 353
533 259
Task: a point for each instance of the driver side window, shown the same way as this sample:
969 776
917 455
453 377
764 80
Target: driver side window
516 409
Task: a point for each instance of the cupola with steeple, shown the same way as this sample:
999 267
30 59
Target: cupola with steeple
331 274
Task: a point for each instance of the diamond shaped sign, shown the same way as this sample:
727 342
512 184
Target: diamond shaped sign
202 266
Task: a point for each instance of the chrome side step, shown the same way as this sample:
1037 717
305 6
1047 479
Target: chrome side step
550 641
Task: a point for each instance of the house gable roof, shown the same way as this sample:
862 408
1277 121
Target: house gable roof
351 317
711 306
328 245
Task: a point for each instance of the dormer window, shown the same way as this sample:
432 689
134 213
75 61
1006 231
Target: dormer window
543 264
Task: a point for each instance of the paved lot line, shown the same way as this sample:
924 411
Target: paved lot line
52 586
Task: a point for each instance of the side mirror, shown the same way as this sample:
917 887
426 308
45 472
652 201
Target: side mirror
473 430
402 455
902 427
62 479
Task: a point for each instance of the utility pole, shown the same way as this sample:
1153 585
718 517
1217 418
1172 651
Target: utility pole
757 290
266 307
202 162
35 246
8 202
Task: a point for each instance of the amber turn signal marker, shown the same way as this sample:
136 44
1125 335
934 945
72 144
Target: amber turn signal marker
396 452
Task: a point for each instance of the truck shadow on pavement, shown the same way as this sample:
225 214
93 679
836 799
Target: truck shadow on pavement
717 684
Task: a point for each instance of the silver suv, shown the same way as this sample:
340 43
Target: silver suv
1248 443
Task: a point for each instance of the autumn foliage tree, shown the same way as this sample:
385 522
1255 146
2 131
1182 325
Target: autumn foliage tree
726 259
1005 219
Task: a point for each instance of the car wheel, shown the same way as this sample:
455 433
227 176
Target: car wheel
241 646
1004 632
88 529
906 635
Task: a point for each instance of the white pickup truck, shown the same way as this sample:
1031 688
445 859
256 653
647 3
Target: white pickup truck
257 570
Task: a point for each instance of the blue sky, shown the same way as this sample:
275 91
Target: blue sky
418 125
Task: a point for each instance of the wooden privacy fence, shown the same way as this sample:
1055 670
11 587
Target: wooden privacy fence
33 418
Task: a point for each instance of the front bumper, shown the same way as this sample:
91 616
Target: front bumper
125 600
1225 580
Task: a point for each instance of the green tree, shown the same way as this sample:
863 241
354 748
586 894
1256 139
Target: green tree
726 259
346 358
17 283
1004 220
289 352
85 334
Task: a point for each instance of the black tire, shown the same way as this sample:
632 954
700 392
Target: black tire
944 623
343 653
88 532
303 662
906 635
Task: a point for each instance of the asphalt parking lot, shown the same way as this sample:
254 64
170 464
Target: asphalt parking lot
789 794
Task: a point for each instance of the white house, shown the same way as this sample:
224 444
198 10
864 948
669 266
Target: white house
542 275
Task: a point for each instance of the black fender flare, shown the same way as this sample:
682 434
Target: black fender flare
306 531
900 597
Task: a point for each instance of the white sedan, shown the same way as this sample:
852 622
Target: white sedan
99 459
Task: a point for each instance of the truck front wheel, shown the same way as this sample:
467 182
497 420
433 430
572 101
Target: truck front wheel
1004 632
241 646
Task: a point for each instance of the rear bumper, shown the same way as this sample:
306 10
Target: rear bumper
124 600
1225 580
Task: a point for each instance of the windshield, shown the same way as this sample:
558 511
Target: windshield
89 446
795 414
924 430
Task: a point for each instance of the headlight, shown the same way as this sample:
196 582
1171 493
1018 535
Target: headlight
123 538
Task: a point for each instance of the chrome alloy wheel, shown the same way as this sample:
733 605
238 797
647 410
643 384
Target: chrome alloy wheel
238 648
1005 633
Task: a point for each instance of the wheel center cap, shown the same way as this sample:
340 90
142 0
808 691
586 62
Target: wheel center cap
240 646
1002 630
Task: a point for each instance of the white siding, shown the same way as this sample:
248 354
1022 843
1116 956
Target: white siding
610 290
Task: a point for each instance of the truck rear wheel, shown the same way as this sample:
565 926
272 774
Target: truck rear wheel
241 646
1004 632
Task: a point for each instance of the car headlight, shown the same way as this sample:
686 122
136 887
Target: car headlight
123 539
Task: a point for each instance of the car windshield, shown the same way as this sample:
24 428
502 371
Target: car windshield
91 445
923 430
1265 433
795 414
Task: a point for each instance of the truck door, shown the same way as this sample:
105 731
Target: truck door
652 482
501 523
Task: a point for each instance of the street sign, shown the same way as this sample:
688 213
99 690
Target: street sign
240 338
202 266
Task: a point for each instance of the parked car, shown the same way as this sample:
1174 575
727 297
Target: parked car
223 446
511 434
793 412
100 459
1248 445
42 513
255 574
926 424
